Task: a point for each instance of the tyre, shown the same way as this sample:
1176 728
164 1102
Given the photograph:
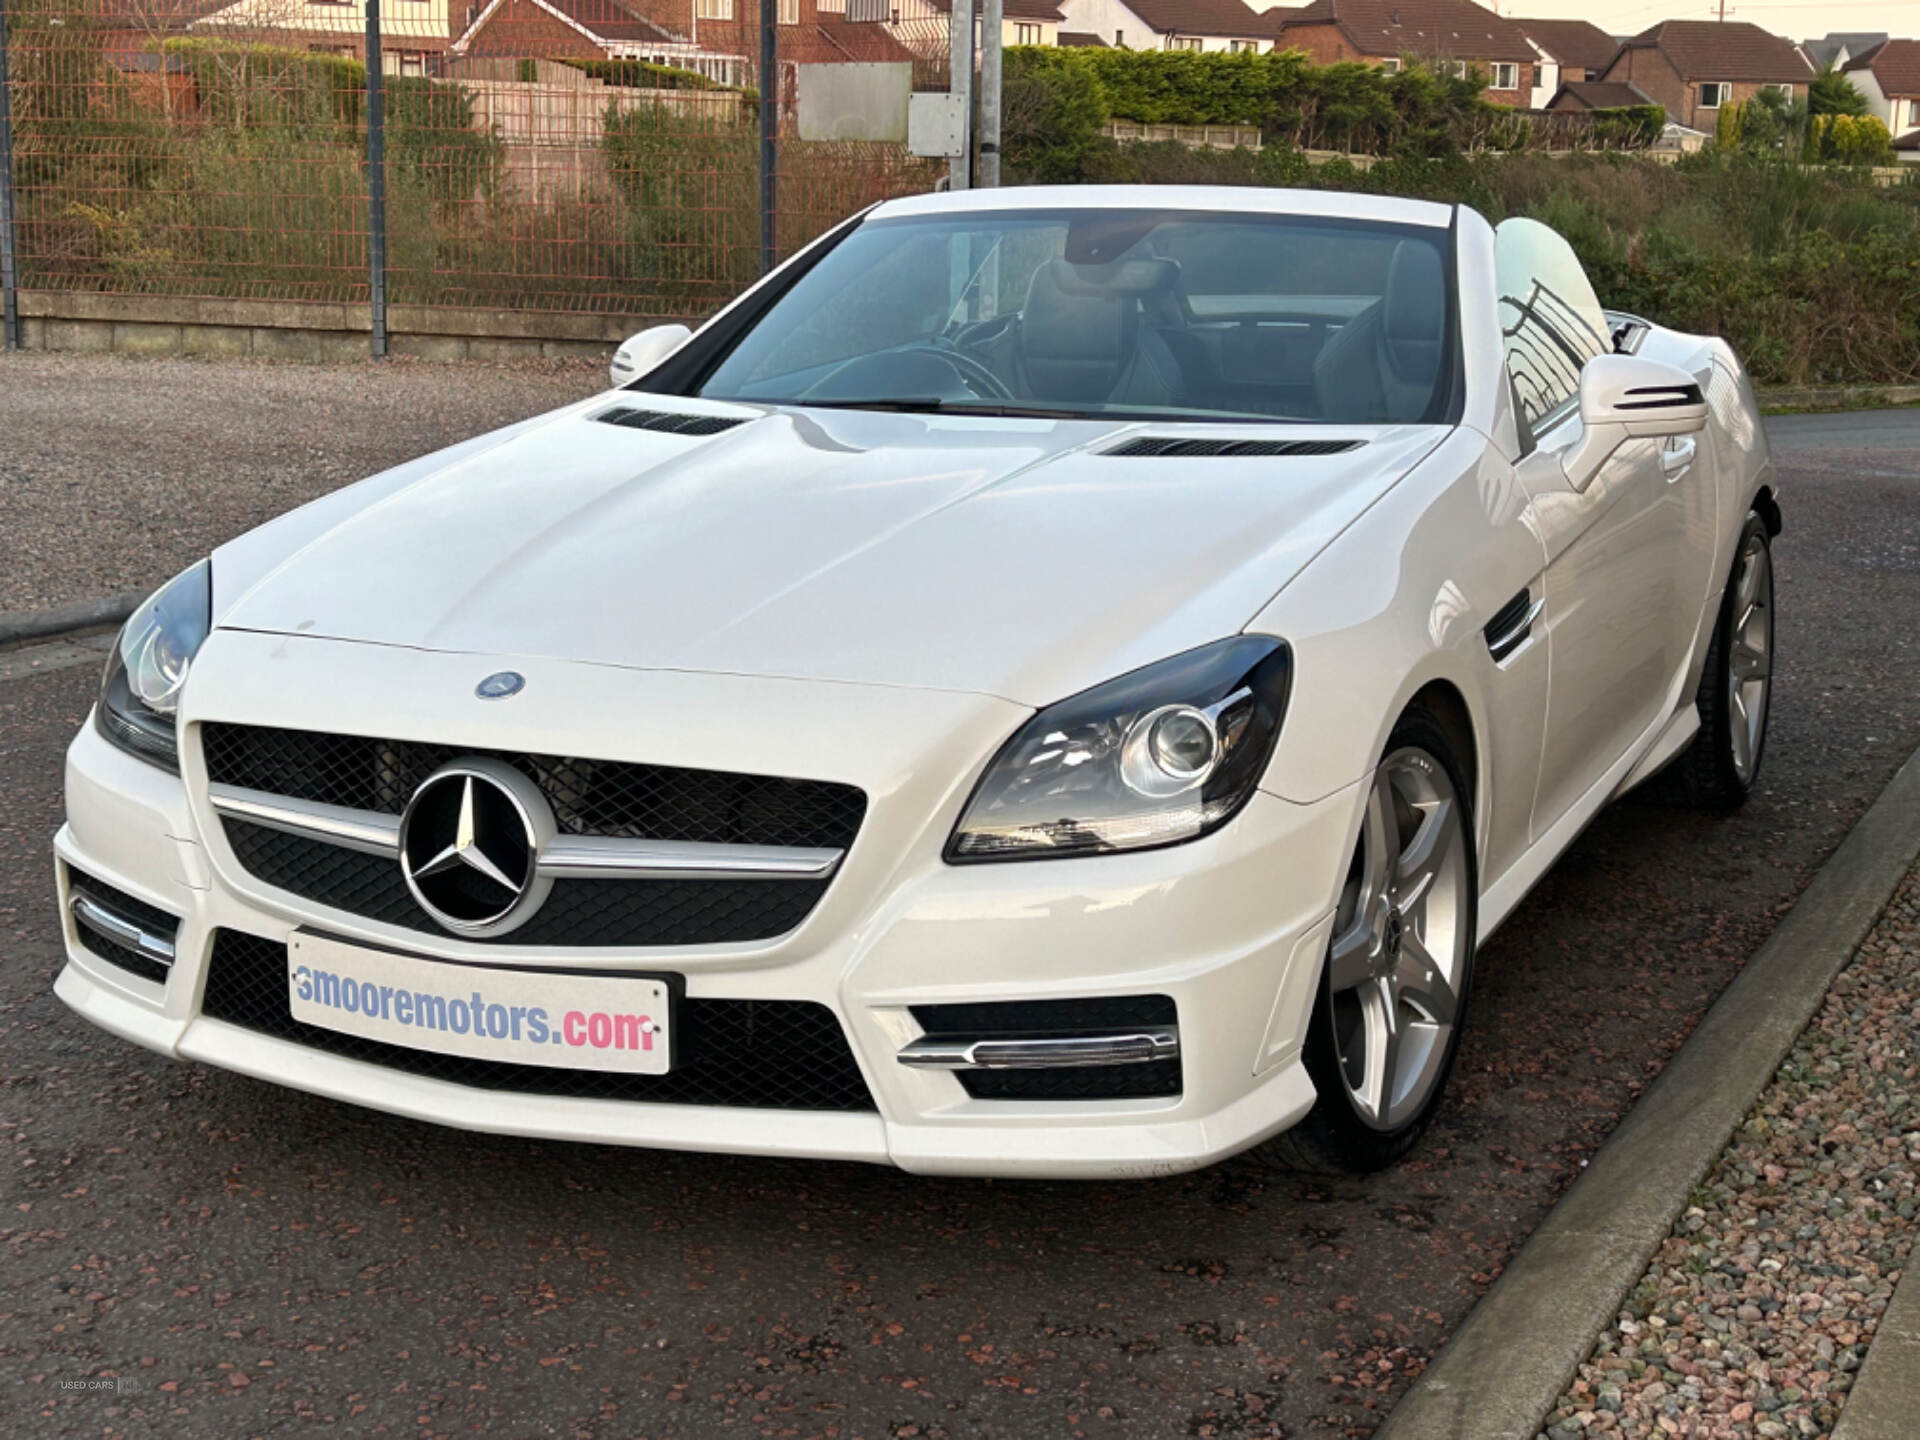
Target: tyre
1393 990
1718 770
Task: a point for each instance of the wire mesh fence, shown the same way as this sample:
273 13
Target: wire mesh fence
597 156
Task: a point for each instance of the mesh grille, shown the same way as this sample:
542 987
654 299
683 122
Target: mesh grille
667 422
1060 1017
1167 445
589 797
150 918
576 912
759 1054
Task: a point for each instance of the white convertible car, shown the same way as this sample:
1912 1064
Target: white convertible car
1050 682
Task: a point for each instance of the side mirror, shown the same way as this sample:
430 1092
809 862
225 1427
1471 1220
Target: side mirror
640 353
1623 397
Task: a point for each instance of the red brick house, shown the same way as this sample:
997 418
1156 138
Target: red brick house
1448 34
1696 68
716 38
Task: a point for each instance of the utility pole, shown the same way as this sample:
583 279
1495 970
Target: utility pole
992 13
960 167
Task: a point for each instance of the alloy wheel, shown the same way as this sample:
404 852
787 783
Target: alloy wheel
1750 656
1395 966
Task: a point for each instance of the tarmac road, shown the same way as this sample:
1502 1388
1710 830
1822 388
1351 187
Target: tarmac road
247 1259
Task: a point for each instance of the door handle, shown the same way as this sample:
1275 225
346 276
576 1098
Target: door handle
1678 458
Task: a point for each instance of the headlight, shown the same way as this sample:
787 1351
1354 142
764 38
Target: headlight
140 693
1162 755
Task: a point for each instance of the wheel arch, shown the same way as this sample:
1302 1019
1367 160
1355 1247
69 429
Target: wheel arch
1447 705
1768 509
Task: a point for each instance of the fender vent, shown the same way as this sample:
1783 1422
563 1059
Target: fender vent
1175 446
667 422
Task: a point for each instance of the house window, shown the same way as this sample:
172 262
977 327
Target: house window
831 7
1714 94
1912 110
1183 42
1456 68
1785 92
713 9
1026 34
1243 47
413 62
1119 39
789 12
1506 76
1391 67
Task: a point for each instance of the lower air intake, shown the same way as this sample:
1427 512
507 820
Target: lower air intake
749 1054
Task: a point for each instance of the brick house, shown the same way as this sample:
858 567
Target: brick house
1571 52
716 38
1889 76
1449 34
1696 68
1167 24
412 36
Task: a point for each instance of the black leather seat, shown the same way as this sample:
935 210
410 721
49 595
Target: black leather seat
1083 340
1383 364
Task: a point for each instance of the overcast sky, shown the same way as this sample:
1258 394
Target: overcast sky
1796 21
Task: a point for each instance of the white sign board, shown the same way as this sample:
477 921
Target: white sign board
937 125
854 102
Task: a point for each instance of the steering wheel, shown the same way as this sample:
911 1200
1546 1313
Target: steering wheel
975 375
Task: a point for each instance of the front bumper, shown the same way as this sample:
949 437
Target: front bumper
1231 927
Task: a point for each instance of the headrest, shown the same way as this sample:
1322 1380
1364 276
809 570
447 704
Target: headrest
1414 312
1065 318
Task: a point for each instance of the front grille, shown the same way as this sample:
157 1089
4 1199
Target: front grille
576 912
589 797
755 1054
150 918
1150 1080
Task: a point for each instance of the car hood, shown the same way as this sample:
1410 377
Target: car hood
1008 557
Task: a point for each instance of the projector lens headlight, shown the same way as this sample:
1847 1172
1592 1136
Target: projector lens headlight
140 692
1160 756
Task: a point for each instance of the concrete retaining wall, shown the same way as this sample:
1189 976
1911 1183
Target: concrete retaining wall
301 330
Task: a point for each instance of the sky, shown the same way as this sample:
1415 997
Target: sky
1797 21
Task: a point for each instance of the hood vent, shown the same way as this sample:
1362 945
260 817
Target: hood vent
666 422
1186 447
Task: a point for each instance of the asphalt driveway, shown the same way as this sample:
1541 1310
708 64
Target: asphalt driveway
246 1259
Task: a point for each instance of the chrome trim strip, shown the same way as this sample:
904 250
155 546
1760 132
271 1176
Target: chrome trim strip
1042 1052
565 857
368 831
610 857
121 931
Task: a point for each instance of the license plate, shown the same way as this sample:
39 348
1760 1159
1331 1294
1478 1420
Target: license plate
620 1023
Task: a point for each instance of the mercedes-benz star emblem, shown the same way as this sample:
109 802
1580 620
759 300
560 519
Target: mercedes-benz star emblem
501 684
470 844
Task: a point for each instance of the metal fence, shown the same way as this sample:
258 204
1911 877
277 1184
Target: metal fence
585 156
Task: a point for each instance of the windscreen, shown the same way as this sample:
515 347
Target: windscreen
1114 313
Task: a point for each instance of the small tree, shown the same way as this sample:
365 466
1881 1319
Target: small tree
1833 94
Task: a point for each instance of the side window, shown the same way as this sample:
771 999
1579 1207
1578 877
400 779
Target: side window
1550 319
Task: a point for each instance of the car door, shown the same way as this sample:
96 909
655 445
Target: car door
1614 603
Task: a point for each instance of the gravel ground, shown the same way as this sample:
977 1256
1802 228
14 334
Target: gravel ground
1754 1317
181 455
